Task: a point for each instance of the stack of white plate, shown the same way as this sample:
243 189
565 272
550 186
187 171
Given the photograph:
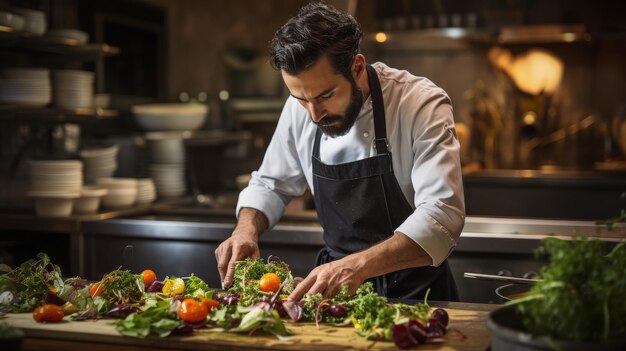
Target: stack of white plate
99 163
73 88
56 177
25 86
146 191
169 179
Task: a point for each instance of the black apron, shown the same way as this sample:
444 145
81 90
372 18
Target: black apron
360 203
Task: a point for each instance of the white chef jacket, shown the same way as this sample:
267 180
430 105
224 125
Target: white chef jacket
425 156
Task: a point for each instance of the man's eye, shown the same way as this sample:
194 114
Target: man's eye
326 97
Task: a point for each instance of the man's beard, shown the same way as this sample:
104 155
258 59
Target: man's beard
349 117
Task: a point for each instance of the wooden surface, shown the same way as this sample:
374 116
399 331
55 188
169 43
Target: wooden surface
469 319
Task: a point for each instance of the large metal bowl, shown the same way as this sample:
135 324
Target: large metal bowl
509 334
512 291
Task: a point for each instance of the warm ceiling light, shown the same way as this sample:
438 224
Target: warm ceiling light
381 37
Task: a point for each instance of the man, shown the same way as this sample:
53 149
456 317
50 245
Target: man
377 147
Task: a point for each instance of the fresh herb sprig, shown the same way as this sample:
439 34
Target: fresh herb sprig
122 287
249 271
30 282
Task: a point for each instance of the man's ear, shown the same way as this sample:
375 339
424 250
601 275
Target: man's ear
358 67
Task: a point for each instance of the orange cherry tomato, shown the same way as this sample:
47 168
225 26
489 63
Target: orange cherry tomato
269 282
192 311
209 303
96 289
48 313
148 277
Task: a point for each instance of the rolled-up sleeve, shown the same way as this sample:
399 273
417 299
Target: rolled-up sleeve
436 176
280 176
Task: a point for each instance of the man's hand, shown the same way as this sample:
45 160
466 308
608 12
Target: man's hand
328 278
396 253
243 243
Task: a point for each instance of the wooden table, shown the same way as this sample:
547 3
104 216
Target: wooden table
468 332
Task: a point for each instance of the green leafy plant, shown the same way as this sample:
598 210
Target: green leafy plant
582 296
30 282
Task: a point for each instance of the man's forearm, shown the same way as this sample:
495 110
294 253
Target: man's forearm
252 222
396 253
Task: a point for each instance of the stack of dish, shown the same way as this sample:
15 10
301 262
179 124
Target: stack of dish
54 185
166 151
146 191
73 89
169 179
99 163
25 86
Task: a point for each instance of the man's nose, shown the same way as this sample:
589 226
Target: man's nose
318 112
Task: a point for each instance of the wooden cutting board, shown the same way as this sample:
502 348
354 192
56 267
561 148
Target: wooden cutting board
101 335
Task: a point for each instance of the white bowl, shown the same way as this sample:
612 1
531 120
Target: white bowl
176 116
120 198
49 204
89 200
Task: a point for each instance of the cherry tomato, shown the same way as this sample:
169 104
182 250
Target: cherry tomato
192 311
96 289
269 282
148 277
208 303
48 313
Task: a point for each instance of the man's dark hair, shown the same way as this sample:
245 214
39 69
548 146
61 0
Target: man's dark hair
316 30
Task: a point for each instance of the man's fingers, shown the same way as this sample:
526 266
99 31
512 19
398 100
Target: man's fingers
320 286
230 273
302 288
223 255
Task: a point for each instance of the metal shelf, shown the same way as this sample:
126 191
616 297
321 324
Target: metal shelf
456 38
53 115
25 42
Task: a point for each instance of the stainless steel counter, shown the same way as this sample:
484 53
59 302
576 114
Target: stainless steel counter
178 240
179 245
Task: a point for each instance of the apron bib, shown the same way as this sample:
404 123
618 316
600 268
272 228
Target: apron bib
360 203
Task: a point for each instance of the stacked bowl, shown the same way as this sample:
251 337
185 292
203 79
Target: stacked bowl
146 191
121 192
99 163
166 152
25 86
73 89
89 200
54 185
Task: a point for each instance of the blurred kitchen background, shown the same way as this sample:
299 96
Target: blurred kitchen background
122 122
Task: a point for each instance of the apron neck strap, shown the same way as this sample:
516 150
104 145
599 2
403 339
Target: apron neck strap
378 106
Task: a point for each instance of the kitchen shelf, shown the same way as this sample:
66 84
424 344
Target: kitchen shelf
457 38
52 115
25 42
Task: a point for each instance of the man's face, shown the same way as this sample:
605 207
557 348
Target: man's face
333 101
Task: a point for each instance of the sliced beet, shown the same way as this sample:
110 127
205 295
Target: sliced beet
54 299
441 315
